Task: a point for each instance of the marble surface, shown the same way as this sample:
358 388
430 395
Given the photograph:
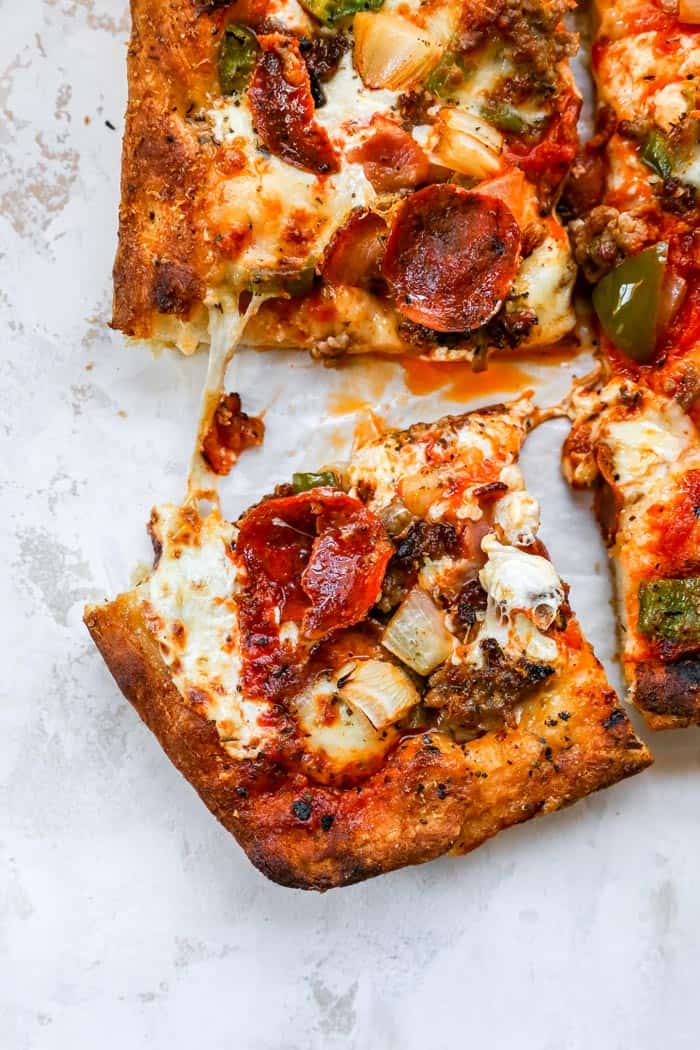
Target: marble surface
128 917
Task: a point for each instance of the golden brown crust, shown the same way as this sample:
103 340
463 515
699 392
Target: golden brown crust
431 796
161 262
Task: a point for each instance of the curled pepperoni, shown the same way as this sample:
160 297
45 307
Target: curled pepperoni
391 158
451 257
354 255
317 559
283 107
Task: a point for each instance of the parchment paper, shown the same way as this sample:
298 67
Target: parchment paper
128 918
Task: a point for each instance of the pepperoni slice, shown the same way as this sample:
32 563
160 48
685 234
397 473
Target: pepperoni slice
392 159
354 255
317 559
283 107
451 257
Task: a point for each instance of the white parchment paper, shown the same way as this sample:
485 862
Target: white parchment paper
128 917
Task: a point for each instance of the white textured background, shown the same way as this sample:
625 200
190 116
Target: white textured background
128 918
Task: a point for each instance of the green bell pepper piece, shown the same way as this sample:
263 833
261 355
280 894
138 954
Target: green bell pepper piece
656 154
449 74
505 117
670 609
238 52
304 482
627 301
331 11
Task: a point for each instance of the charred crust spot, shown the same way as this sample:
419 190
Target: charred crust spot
327 821
614 719
176 287
669 689
302 808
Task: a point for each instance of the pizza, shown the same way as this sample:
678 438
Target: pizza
641 452
633 193
346 176
375 665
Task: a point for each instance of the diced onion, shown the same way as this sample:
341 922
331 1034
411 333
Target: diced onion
381 690
417 634
396 517
689 11
391 52
465 143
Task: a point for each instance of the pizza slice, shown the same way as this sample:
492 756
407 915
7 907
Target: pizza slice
636 234
634 192
641 452
375 665
346 176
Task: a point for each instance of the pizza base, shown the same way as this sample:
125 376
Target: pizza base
636 447
169 271
431 797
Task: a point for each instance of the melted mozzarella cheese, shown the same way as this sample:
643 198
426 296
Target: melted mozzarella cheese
350 106
545 282
188 603
670 105
648 447
517 514
520 582
226 325
523 590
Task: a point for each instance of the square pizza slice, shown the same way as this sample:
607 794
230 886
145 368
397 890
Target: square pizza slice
635 192
375 665
641 452
347 175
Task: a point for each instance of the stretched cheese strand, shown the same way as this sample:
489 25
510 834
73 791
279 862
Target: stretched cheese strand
226 326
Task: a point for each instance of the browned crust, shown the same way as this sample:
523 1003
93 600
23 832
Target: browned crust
431 796
668 694
162 263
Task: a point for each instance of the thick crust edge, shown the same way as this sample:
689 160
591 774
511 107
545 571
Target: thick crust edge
431 796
